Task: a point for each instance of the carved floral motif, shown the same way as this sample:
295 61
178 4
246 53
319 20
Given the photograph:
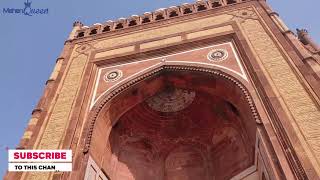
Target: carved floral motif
171 100
218 55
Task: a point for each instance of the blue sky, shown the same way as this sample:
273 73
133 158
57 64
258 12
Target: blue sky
29 47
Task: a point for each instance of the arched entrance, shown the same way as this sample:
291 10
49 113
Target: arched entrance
175 123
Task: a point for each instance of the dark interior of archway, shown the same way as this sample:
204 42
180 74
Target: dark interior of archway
186 130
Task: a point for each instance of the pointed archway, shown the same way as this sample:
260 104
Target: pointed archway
175 122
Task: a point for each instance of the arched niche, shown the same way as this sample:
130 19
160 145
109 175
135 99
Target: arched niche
186 162
132 138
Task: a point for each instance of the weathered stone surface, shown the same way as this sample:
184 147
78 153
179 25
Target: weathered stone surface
303 110
163 31
59 119
298 101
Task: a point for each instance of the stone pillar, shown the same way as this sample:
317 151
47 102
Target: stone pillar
278 21
76 26
306 39
56 69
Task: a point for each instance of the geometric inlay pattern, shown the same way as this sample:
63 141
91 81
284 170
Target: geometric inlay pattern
171 100
218 55
113 75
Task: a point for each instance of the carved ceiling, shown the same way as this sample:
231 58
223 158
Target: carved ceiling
171 100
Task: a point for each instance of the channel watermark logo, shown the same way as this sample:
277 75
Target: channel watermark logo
27 10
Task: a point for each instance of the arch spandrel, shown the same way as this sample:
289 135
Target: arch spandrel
222 57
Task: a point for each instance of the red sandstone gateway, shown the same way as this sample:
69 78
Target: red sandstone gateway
214 90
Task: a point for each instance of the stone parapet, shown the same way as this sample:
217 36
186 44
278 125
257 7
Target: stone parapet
149 17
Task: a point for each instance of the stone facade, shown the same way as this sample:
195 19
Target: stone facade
269 77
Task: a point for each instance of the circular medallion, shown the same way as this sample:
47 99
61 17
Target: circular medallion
84 48
113 75
171 100
218 55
